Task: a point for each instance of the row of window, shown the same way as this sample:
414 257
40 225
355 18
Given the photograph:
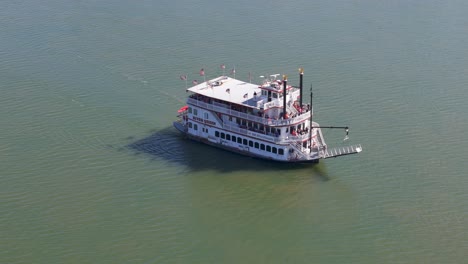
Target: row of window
243 141
249 143
195 111
258 127
195 126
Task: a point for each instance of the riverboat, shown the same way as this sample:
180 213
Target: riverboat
268 121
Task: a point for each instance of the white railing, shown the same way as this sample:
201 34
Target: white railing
271 104
341 151
220 105
270 138
299 151
250 117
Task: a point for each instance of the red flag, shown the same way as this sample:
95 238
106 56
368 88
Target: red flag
202 72
183 77
222 66
194 82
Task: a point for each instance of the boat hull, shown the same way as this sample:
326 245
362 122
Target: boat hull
181 129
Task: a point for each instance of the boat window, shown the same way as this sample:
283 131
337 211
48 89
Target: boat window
239 140
268 147
190 124
216 133
281 151
275 95
234 138
190 110
206 115
245 141
228 137
262 146
250 143
274 150
195 126
256 145
223 136
195 111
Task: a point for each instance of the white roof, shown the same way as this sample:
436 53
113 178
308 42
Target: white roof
228 89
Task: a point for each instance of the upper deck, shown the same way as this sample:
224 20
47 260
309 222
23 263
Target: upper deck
231 90
263 104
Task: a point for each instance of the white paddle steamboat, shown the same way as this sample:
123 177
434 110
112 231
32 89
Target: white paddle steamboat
267 121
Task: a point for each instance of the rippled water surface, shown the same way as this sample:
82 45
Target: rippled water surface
91 170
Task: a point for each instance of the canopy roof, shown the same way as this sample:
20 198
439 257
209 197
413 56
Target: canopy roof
228 89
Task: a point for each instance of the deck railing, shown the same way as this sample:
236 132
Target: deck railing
250 117
268 137
340 151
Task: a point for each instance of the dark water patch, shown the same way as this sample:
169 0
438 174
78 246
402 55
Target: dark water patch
168 144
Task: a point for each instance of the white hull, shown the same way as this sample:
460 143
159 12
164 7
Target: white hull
243 150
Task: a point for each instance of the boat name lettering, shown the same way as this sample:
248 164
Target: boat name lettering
201 120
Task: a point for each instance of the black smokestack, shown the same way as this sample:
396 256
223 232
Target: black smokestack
285 82
301 76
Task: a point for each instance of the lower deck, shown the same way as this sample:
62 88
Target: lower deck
249 146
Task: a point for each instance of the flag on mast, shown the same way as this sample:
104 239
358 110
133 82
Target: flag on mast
184 78
202 73
223 67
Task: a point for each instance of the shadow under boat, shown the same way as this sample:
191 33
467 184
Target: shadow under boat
170 145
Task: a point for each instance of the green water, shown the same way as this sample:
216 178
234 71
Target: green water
91 170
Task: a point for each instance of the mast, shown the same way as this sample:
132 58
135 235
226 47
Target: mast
285 81
311 127
301 75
